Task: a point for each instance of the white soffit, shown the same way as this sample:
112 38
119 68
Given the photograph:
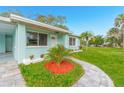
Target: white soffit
5 19
26 20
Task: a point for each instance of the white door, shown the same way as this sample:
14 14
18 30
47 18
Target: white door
53 40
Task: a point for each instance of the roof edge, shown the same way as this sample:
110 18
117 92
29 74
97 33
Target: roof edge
5 19
74 35
33 22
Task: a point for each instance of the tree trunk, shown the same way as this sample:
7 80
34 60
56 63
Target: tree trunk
87 43
114 45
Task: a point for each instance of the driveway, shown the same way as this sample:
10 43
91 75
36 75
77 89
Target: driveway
10 75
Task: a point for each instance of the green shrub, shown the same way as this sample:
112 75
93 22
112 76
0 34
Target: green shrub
57 54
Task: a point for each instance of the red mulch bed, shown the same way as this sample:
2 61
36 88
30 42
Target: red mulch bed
63 68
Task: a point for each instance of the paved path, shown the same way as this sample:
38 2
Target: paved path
93 76
9 73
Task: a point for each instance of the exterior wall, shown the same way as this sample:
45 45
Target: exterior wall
22 52
78 42
20 43
2 43
76 47
37 51
61 39
66 40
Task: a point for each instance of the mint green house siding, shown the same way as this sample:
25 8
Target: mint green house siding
77 42
18 31
66 38
22 52
2 43
37 51
61 39
20 42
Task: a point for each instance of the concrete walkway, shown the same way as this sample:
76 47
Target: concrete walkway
10 75
93 77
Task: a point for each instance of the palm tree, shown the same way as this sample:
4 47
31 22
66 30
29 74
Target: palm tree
97 40
119 22
113 32
58 54
113 36
86 36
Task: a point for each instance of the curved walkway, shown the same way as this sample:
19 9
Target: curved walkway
93 76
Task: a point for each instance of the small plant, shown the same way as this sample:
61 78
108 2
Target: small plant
58 54
80 47
42 55
31 57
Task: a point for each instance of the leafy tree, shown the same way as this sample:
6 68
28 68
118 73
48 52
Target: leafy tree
42 18
9 11
51 20
58 21
97 40
62 26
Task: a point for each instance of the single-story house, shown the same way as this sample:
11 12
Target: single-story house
27 40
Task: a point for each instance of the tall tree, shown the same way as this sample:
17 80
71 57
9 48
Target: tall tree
113 36
113 32
58 21
119 22
42 18
86 36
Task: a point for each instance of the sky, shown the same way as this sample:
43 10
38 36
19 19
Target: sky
97 19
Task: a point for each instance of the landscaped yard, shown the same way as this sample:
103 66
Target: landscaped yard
110 60
37 75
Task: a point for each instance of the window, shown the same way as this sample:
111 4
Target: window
43 39
36 39
72 41
32 39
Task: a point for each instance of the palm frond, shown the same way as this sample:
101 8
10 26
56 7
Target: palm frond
58 53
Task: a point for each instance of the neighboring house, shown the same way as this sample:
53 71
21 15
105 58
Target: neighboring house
25 38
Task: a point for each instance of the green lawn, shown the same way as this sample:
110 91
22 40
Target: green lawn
110 60
36 75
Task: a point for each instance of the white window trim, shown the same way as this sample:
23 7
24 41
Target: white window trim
38 46
75 41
